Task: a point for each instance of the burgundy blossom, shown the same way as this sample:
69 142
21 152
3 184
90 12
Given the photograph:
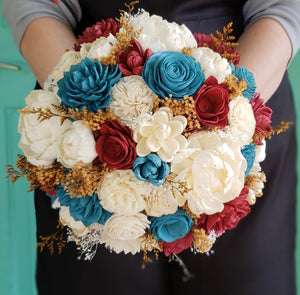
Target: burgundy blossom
115 146
178 245
131 62
232 213
262 115
212 103
100 29
204 40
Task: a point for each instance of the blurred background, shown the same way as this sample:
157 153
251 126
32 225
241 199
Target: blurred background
17 220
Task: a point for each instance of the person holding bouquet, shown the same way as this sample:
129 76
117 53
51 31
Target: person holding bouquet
257 257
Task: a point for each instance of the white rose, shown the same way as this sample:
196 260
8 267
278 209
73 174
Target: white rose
42 99
124 233
161 35
161 134
76 226
161 202
120 192
214 169
212 63
69 58
257 177
131 97
84 49
39 138
241 120
77 144
102 47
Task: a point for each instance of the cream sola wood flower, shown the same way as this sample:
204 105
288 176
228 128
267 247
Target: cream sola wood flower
158 34
213 168
160 133
39 139
125 232
131 97
212 63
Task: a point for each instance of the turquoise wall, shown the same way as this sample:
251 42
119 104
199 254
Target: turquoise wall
294 73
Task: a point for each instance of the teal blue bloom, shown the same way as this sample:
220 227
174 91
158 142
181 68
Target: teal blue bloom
88 84
249 154
151 168
175 73
87 209
169 228
243 73
63 198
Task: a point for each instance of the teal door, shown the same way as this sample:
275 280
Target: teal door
17 221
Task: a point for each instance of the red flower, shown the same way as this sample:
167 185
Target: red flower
115 145
204 40
178 246
232 213
100 29
262 115
131 62
212 103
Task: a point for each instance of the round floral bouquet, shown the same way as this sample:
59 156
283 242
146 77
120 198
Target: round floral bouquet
146 137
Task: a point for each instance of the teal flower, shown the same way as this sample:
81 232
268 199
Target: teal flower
151 168
249 154
175 73
87 209
169 228
243 73
88 84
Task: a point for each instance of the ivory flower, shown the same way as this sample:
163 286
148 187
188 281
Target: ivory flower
101 48
160 35
124 233
120 192
161 202
212 63
256 175
77 144
39 139
131 97
241 120
214 169
161 133
69 58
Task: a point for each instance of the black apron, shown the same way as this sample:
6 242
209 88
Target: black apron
255 258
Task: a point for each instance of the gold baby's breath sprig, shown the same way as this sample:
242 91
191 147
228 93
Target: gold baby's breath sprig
149 244
130 6
187 50
92 120
283 126
178 188
202 242
252 180
42 114
235 86
184 107
54 242
224 41
83 181
46 179
124 36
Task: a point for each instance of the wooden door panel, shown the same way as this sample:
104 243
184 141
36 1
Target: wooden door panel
17 220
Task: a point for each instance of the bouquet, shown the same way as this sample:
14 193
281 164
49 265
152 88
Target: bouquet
147 137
